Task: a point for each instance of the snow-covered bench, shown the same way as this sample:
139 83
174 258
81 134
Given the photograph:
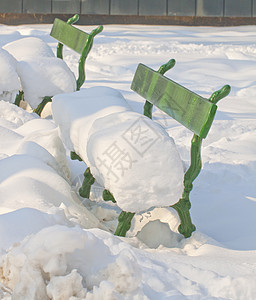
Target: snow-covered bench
42 75
189 109
119 147
130 155
75 39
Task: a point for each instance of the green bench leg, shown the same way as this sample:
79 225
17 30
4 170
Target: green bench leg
107 196
89 180
124 223
162 70
41 106
19 97
182 207
186 227
75 156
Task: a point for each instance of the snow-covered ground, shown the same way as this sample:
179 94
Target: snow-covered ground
56 245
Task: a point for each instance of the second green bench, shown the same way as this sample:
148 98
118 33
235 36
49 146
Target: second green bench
189 109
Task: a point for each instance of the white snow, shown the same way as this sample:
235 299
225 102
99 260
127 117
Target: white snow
9 83
127 149
76 112
40 72
56 245
28 47
121 148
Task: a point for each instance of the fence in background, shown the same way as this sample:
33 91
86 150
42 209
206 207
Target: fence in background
204 8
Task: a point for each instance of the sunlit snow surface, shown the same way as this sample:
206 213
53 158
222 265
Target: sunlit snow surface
52 247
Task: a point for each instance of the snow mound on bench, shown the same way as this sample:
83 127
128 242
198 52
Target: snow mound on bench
40 72
44 76
76 112
136 160
9 83
28 47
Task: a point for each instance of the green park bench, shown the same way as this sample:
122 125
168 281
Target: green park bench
189 109
77 40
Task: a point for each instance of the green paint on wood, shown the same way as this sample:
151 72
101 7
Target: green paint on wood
148 107
70 21
70 36
191 110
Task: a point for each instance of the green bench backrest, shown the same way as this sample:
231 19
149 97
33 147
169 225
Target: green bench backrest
193 111
68 35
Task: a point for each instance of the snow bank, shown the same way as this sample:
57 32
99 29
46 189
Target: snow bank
60 262
40 72
19 223
136 160
9 141
14 115
28 181
9 80
25 133
35 169
41 140
34 161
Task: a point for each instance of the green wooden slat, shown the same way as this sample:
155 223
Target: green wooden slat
191 110
70 36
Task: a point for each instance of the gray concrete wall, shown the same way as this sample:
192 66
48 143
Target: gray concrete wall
202 8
